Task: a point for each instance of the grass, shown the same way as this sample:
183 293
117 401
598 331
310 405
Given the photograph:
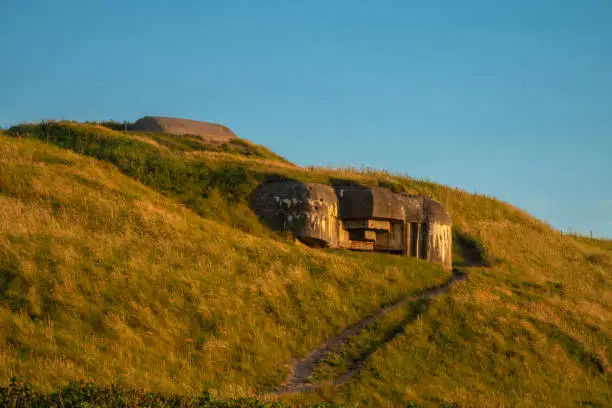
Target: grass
142 265
483 346
360 347
105 279
216 185
79 395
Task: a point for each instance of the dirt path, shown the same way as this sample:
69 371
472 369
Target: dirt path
302 369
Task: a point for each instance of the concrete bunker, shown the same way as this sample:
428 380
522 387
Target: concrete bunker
178 126
358 218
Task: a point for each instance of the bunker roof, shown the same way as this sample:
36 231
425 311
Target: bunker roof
178 126
362 202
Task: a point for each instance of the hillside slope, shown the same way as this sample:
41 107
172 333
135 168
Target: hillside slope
144 265
104 278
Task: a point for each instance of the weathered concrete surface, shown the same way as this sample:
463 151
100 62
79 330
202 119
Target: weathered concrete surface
370 202
177 126
440 244
356 217
309 211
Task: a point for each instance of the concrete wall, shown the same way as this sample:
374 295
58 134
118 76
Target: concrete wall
361 218
439 244
370 202
309 211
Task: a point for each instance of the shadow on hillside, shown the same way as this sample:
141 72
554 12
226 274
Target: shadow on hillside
13 287
469 250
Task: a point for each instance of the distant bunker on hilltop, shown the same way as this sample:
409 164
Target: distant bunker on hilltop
358 218
177 126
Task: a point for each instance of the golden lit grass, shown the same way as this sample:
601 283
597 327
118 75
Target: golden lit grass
489 344
104 279
222 158
534 330
163 299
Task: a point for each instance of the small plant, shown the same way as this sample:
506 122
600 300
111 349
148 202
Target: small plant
20 394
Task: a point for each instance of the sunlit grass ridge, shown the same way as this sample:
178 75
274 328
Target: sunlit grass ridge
143 265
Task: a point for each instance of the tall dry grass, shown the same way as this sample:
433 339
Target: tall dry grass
105 279
126 284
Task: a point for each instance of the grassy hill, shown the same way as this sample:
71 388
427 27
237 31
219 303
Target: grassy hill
134 259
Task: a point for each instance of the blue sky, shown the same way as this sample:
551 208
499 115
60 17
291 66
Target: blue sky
510 98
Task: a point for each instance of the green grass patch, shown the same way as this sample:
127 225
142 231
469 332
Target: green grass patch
80 395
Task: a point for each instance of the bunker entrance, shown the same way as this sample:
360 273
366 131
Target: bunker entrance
417 240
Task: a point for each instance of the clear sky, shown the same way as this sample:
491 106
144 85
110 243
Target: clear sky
510 98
